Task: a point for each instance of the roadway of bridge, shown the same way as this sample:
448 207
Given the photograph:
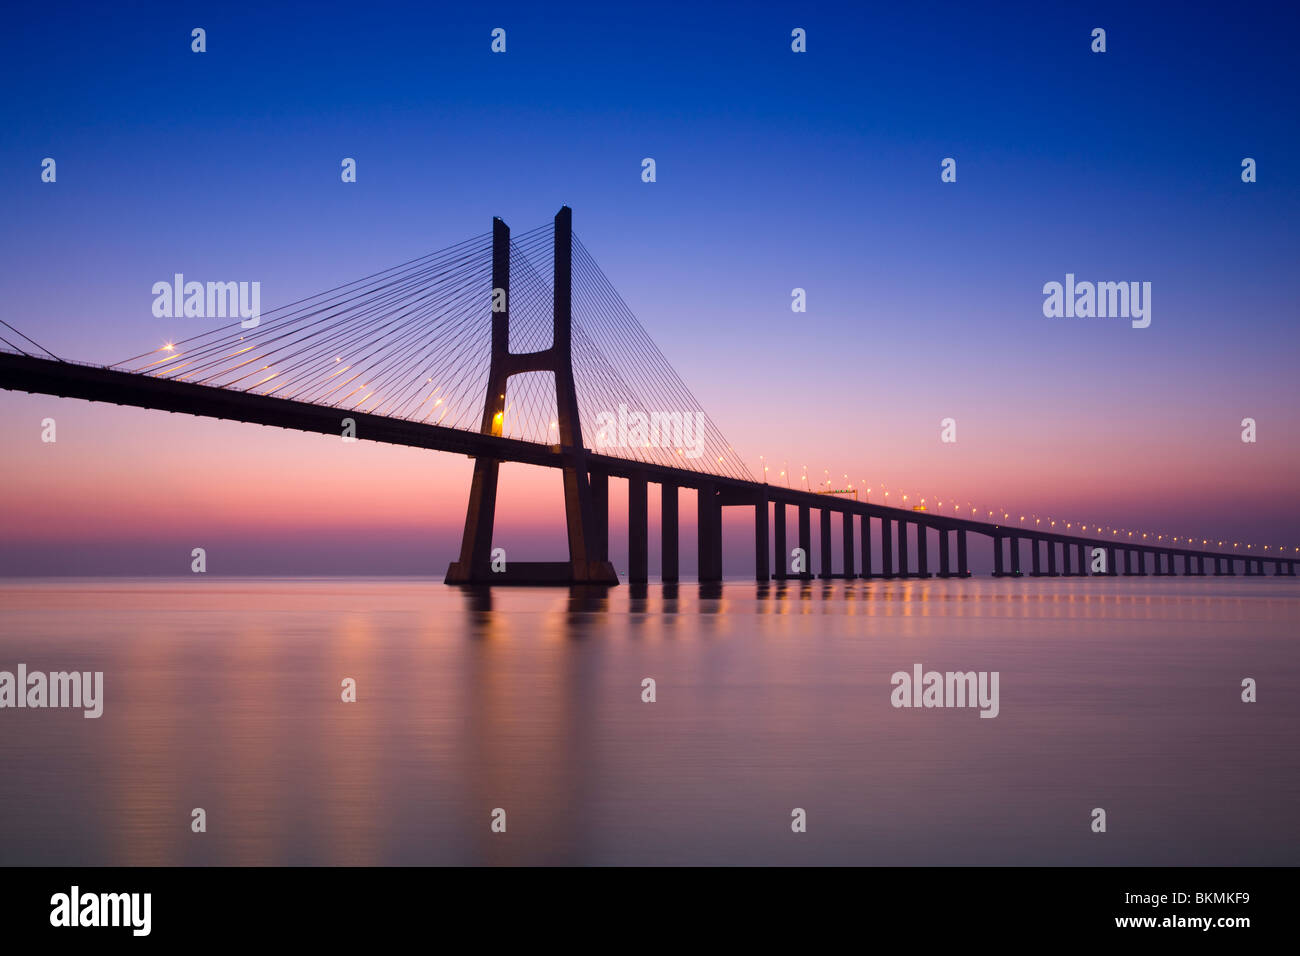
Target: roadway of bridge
99 384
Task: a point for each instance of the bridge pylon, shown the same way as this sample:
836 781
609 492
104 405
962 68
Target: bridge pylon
587 564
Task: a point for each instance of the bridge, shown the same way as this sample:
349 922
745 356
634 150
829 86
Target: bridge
423 354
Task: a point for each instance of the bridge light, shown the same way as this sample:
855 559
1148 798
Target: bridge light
169 347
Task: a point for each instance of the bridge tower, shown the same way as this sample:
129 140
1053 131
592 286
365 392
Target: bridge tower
586 564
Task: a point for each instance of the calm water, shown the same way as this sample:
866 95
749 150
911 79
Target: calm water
225 694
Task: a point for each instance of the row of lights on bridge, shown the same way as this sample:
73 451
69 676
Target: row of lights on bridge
1006 516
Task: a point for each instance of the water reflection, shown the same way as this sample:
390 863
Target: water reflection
768 696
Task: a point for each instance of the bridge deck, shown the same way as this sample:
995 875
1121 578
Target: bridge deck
97 384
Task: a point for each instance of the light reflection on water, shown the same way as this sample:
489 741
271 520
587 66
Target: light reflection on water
224 694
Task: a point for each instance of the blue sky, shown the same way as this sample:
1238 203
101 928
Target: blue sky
775 170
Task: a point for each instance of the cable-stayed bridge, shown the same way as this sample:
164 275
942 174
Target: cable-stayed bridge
518 349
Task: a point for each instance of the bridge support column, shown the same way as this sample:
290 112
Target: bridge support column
1111 568
781 566
585 564
903 564
866 546
762 572
1015 556
668 558
476 542
1065 560
1083 562
1035 563
600 509
638 530
922 550
1128 562
945 566
709 534
963 569
846 518
997 557
1187 565
886 548
1218 567
1142 563
1231 563
1051 559
825 543
805 539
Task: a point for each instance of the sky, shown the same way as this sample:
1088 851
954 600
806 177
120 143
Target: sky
775 170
